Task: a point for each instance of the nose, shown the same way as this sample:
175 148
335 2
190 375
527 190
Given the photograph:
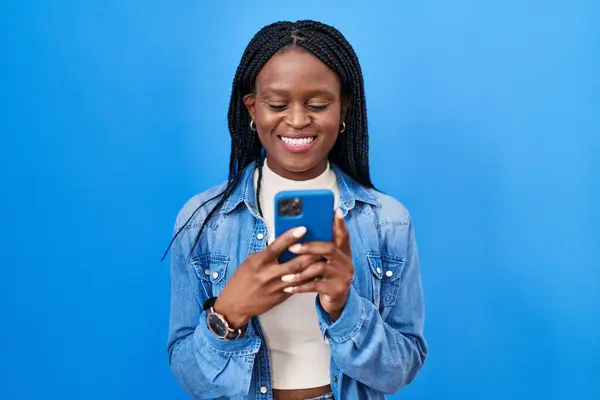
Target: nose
297 117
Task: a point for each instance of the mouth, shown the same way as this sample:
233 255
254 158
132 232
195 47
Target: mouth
296 144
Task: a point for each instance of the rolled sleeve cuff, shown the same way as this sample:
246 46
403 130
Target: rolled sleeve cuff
349 322
246 345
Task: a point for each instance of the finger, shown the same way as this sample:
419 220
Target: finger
314 271
328 250
307 287
340 233
280 244
296 265
330 286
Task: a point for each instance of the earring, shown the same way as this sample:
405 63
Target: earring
343 125
253 126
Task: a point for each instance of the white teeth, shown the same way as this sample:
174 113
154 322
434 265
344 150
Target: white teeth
297 142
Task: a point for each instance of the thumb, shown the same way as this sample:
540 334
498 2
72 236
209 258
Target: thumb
340 232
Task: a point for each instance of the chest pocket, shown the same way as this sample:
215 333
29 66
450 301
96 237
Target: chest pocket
211 270
386 271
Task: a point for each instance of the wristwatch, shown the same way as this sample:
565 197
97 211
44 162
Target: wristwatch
218 325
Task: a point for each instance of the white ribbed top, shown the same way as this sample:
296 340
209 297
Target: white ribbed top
299 355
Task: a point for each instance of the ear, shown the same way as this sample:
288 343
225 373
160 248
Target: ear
250 102
344 109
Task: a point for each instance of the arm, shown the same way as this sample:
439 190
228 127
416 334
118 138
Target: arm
383 354
206 367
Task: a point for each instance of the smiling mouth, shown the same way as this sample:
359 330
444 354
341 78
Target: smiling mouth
297 141
295 144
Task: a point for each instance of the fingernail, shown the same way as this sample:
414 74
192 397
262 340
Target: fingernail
288 278
295 248
289 289
299 232
339 214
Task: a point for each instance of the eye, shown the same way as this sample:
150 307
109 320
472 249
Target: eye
277 107
318 107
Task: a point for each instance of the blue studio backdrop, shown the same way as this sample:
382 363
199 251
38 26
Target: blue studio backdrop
484 121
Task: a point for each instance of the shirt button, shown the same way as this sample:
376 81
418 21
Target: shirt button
207 271
378 270
335 379
263 389
215 275
389 274
260 236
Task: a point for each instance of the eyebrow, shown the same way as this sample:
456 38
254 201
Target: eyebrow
283 92
273 91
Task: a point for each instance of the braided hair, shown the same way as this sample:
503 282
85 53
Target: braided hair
350 152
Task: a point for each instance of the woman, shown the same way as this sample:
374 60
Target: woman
342 320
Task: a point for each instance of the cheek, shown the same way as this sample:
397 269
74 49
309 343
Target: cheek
266 120
329 122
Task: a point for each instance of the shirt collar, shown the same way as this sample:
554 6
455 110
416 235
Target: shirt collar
350 192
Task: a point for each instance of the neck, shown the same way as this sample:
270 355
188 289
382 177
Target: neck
268 183
306 175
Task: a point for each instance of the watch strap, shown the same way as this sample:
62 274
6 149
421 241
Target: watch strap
209 303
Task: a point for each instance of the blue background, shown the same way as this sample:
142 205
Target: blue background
484 121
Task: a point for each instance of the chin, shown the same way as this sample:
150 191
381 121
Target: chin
300 165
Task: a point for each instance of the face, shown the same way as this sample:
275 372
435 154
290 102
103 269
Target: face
297 108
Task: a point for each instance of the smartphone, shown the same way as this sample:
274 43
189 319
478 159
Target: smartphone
312 209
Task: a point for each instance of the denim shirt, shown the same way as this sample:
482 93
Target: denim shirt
377 344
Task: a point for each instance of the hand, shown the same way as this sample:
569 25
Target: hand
331 278
256 286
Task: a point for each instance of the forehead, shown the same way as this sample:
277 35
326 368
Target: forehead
296 69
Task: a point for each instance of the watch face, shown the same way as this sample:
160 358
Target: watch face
216 325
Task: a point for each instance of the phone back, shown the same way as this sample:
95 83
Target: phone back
312 209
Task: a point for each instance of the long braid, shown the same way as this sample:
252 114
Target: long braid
258 186
352 148
350 152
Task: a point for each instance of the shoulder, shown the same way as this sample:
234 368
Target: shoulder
394 226
195 210
390 211
386 209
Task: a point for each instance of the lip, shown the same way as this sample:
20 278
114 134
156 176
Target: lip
302 148
296 135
